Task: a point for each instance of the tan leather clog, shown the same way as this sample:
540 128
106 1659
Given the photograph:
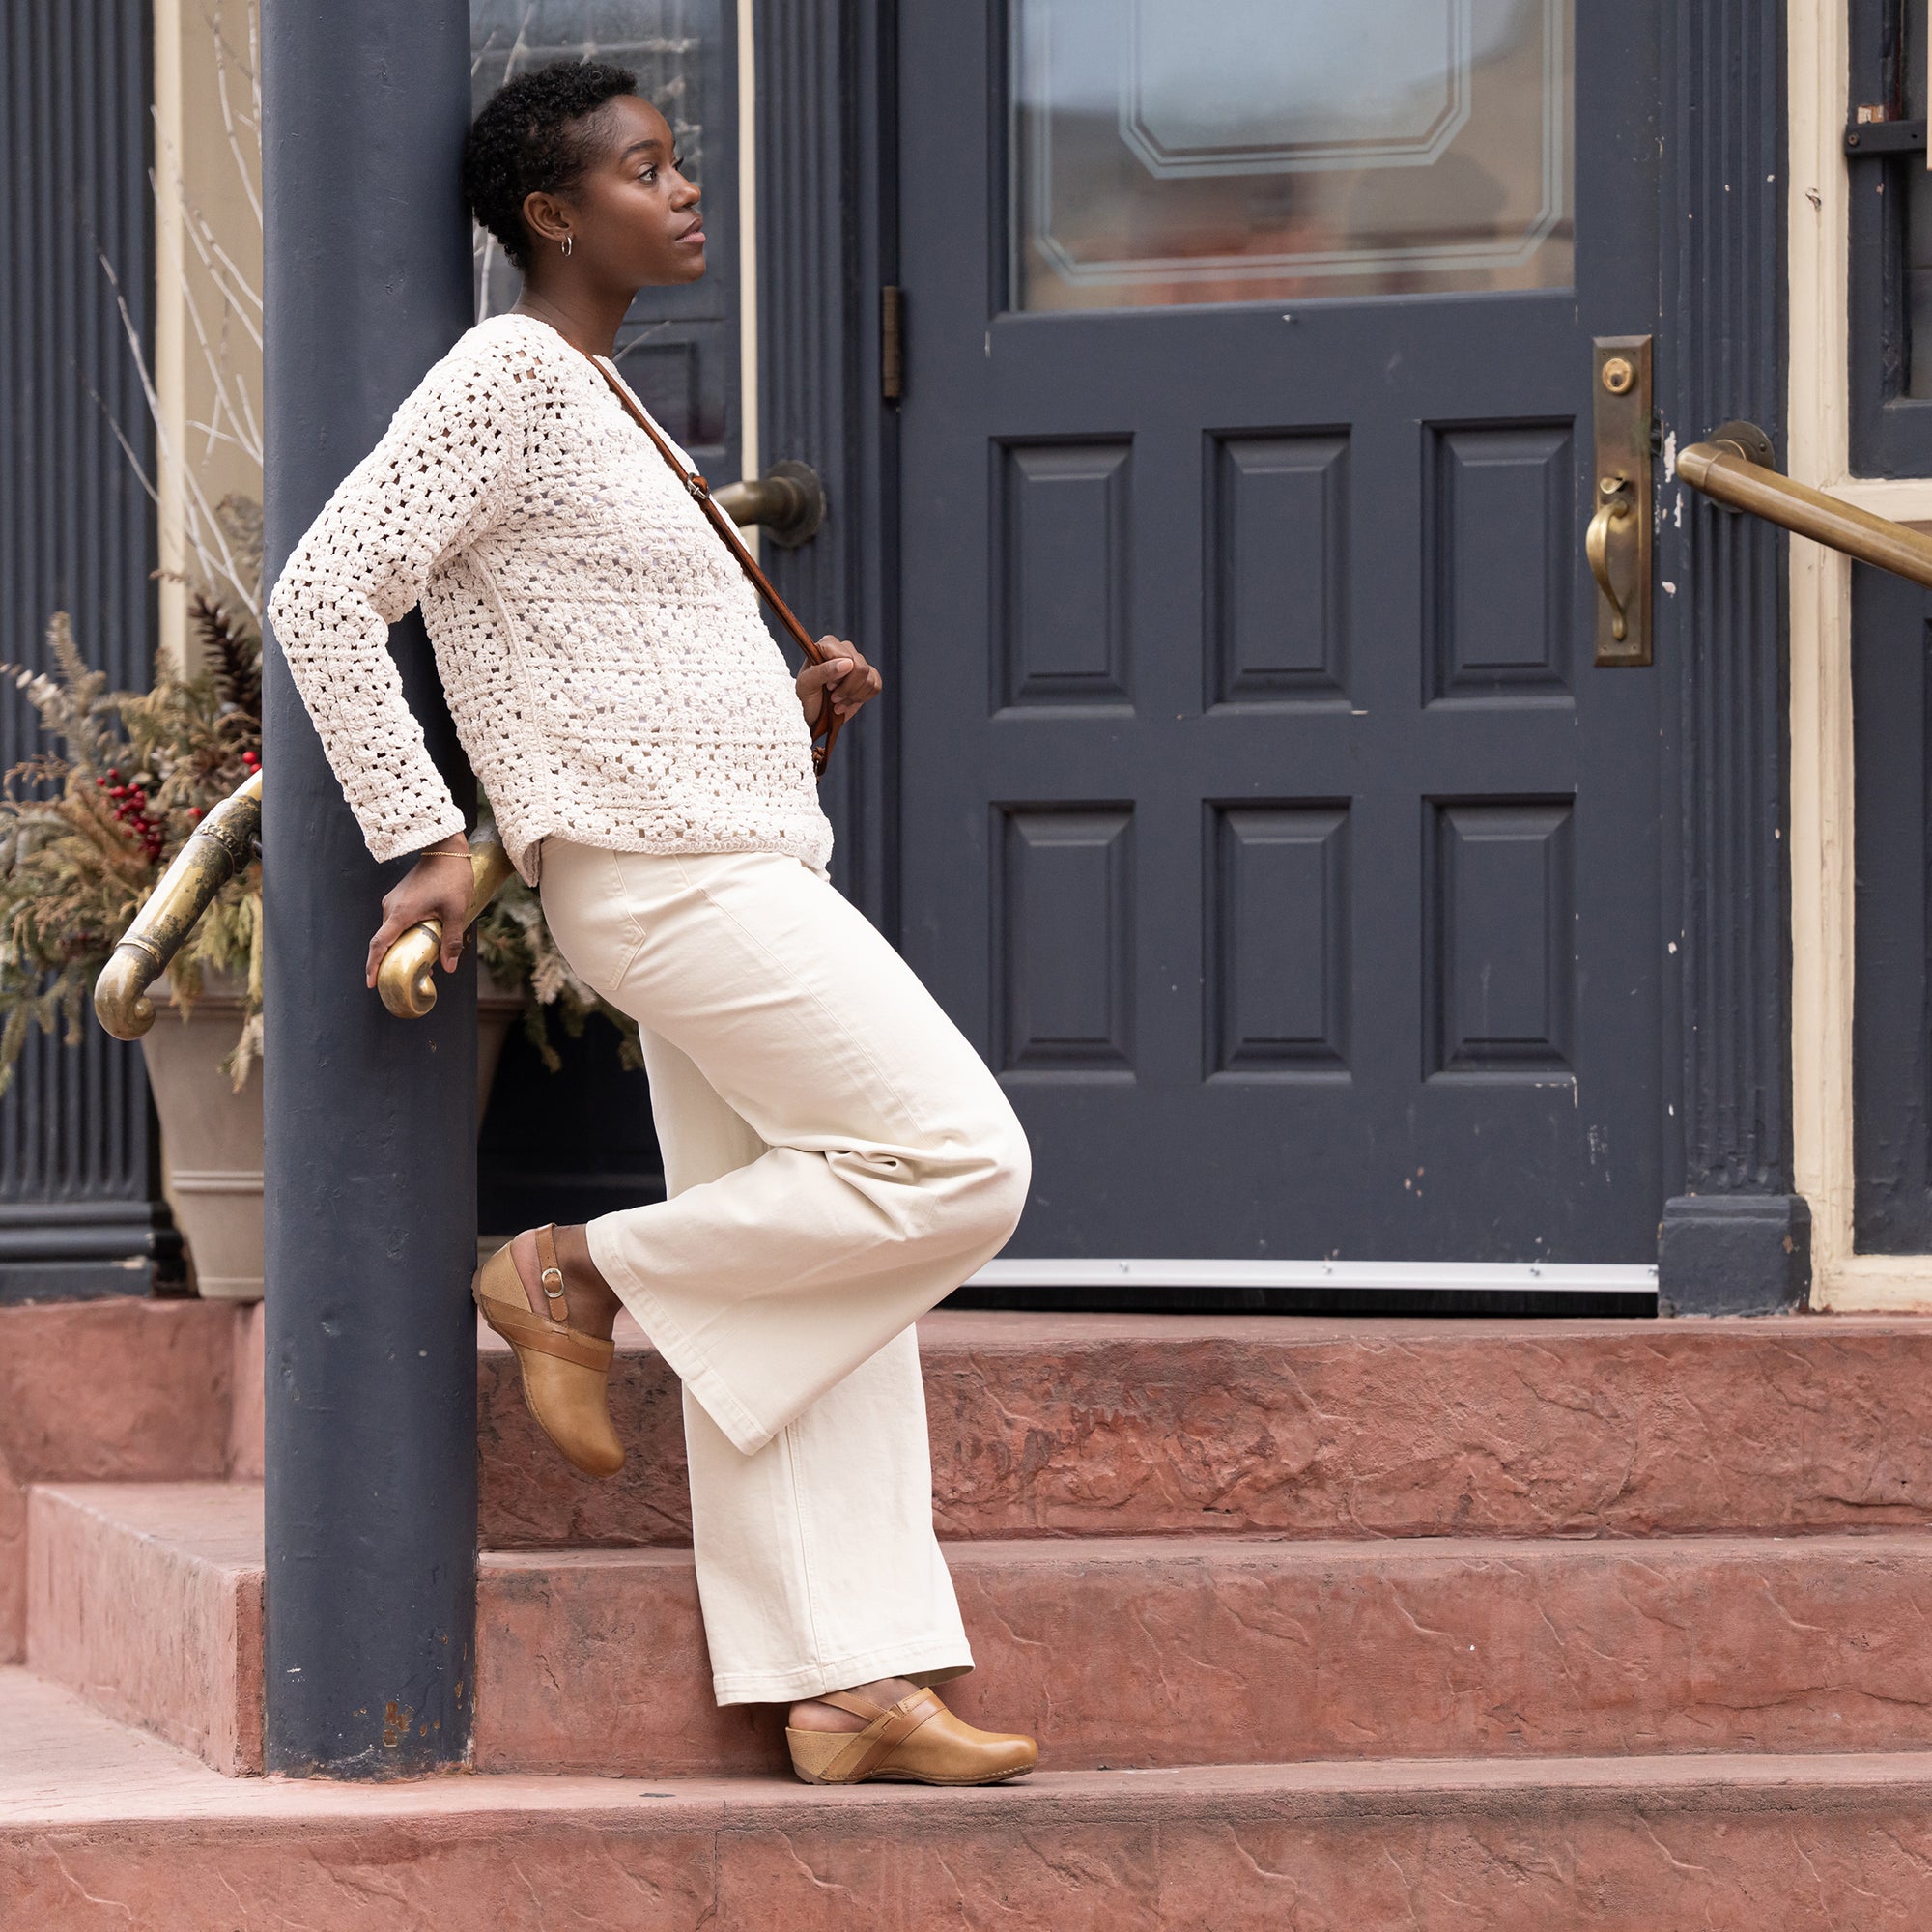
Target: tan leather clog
918 1741
565 1372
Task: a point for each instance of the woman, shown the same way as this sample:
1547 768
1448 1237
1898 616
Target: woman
837 1158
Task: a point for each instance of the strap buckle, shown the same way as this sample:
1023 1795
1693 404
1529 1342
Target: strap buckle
697 485
554 1294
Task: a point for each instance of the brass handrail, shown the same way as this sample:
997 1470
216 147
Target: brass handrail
1733 465
406 977
217 848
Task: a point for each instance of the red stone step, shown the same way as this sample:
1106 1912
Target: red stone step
116 1390
146 1598
102 1827
1064 1425
1114 1651
1146 1651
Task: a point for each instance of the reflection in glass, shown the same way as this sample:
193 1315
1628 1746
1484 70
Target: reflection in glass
1163 152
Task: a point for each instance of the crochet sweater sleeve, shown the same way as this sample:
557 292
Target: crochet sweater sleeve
433 484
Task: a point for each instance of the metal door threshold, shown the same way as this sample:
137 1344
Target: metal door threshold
1184 1285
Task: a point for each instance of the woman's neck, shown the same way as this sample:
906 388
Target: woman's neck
585 319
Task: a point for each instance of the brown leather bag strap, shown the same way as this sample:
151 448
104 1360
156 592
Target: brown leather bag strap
826 732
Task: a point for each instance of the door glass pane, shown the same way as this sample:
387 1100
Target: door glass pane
1256 150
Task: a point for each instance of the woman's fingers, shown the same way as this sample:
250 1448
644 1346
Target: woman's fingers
425 893
815 680
860 686
845 678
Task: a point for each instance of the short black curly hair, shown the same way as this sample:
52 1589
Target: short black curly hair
526 140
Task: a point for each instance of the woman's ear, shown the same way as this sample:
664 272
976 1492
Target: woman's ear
545 217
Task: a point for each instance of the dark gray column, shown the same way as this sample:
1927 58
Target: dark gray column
370 1154
1736 1238
81 1211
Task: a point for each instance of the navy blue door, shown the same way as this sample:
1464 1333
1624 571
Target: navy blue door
1263 820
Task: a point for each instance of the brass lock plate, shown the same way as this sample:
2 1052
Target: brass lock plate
1617 541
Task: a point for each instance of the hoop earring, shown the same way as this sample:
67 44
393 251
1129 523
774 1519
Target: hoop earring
567 241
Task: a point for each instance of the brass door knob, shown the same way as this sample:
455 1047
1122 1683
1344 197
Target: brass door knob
788 502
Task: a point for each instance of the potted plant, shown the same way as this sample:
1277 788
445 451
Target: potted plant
86 831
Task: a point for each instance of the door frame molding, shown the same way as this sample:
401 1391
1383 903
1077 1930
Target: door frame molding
1823 772
1735 1233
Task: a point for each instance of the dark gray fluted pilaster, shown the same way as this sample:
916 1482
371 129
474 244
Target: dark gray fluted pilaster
80 1196
824 245
370 1157
1735 1237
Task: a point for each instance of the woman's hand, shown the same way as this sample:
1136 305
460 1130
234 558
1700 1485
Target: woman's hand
436 887
845 678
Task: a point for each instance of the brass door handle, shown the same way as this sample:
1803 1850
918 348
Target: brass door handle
788 501
1610 542
1617 539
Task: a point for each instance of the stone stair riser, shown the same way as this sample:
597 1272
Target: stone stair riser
1162 1652
1120 1652
1088 1426
106 1391
163 1630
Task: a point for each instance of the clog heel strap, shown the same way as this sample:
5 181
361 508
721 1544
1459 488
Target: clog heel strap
563 1371
916 1741
515 1314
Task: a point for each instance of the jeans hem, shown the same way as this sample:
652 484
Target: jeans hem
932 1661
745 1433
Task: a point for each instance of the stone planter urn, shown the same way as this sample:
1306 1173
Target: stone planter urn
211 1135
211 1141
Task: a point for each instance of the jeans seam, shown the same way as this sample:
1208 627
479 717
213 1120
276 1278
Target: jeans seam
791 1439
631 918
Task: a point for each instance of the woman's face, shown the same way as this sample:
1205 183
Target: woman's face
633 216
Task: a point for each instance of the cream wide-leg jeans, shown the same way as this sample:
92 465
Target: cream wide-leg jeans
836 1159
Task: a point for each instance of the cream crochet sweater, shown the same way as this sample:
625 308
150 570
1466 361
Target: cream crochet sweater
604 656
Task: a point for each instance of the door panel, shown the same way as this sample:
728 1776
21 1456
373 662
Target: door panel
1263 820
